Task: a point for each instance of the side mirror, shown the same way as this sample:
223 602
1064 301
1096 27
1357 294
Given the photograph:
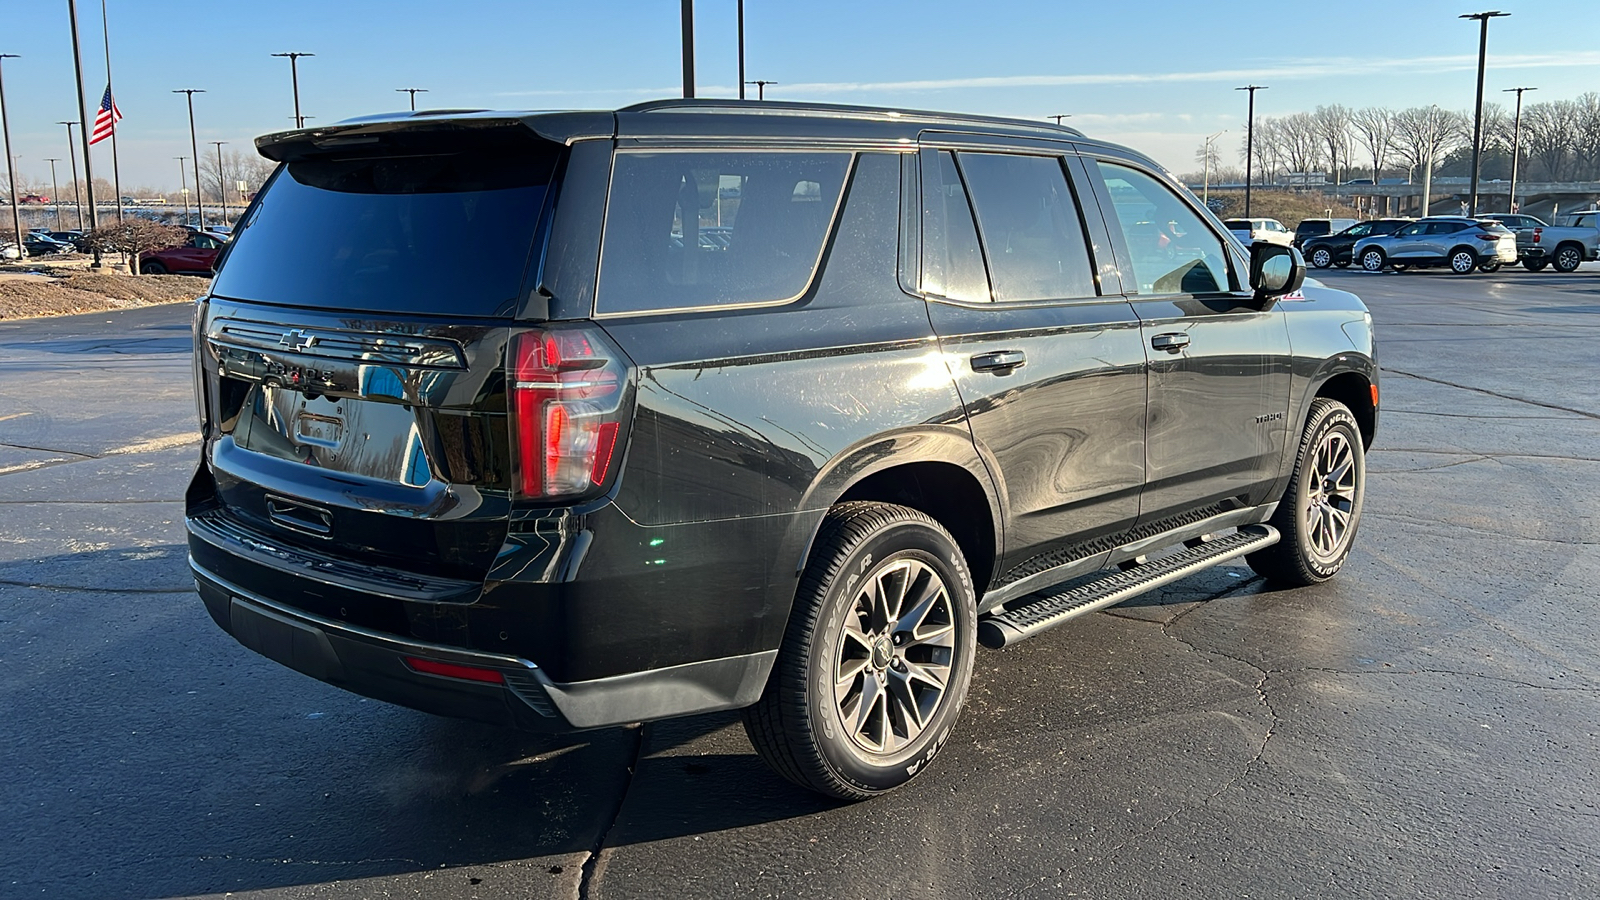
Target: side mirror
1275 270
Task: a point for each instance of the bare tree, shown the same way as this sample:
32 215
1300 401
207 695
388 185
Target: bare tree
237 166
1299 139
1586 147
1333 129
1424 135
135 235
1375 125
1547 132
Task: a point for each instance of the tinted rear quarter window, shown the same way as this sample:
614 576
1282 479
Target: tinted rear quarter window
689 230
1032 235
444 225
952 259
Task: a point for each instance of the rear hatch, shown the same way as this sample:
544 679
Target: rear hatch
354 348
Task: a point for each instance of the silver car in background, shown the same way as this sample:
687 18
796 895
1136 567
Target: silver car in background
1460 243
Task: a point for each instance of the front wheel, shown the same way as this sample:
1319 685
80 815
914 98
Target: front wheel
1319 512
1372 260
1492 265
877 657
1322 257
1534 265
152 268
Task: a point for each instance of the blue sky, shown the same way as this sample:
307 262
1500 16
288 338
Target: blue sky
1155 74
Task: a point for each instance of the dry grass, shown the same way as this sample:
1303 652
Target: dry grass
1285 207
81 293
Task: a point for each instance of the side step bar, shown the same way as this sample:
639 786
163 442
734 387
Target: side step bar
1049 610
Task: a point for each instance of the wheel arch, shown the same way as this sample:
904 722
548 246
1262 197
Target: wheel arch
1354 388
935 470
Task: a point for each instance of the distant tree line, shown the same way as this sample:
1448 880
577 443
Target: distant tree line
1560 141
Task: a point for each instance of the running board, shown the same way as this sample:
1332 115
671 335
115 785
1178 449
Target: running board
1049 610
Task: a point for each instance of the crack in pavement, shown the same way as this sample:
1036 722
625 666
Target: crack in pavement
94 590
47 450
82 502
1398 673
1487 531
593 867
1481 455
1487 392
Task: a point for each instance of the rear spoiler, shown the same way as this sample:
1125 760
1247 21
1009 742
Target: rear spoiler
557 127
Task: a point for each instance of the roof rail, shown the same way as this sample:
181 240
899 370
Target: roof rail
843 110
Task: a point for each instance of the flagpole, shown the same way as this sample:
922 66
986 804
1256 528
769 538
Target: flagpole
83 123
116 174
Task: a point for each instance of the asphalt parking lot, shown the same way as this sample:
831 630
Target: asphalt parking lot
1426 725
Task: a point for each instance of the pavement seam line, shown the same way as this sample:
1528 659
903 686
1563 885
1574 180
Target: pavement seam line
1486 391
592 869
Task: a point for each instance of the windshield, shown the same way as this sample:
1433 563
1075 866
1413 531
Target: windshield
444 230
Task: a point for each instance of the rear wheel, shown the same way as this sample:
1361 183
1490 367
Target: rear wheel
1373 260
1463 261
1492 265
1319 512
152 268
1568 257
1322 257
877 657
1534 265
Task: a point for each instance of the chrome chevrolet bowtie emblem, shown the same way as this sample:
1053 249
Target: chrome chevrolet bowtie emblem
297 340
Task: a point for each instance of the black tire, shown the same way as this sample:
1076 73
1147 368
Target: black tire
1342 265
1310 515
1321 257
152 268
1373 259
1463 261
1492 265
799 725
1567 258
1535 265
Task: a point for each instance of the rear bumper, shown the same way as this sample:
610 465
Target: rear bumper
506 690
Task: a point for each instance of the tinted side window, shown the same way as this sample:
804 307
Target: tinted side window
952 261
1412 230
1030 227
1170 248
1358 230
688 229
1444 227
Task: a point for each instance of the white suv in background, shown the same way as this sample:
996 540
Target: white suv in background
1249 231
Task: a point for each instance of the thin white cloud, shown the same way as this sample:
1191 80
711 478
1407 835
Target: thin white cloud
1286 70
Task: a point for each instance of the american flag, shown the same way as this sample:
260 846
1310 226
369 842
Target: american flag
105 121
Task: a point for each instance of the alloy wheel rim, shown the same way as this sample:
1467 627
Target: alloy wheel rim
1569 258
1462 262
1321 259
894 656
1372 261
1331 495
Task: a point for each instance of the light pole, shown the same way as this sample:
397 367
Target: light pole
761 88
77 192
1250 142
222 184
1477 108
294 77
413 92
741 49
55 190
1205 187
11 166
183 185
1516 145
194 147
83 116
688 49
1059 116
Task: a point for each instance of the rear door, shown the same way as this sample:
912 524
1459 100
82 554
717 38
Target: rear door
1046 357
1218 367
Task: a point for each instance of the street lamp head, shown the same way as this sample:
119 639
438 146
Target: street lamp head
1518 90
1484 16
294 55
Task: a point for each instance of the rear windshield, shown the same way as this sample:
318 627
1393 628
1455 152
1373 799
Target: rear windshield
1237 224
413 226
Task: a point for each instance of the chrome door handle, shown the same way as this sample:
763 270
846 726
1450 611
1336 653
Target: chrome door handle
1000 362
1172 343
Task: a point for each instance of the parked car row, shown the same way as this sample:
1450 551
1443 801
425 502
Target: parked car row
1488 242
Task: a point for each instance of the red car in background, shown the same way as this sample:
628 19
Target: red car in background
193 257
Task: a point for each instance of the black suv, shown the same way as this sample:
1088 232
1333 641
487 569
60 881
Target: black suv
744 405
1334 249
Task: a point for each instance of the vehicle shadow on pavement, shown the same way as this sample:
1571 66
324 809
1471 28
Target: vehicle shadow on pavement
156 757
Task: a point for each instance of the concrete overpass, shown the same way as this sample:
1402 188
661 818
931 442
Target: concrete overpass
1538 198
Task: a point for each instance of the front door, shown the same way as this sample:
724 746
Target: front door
1048 363
1218 367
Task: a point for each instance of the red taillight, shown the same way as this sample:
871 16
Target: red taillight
454 670
1537 233
567 393
1488 237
